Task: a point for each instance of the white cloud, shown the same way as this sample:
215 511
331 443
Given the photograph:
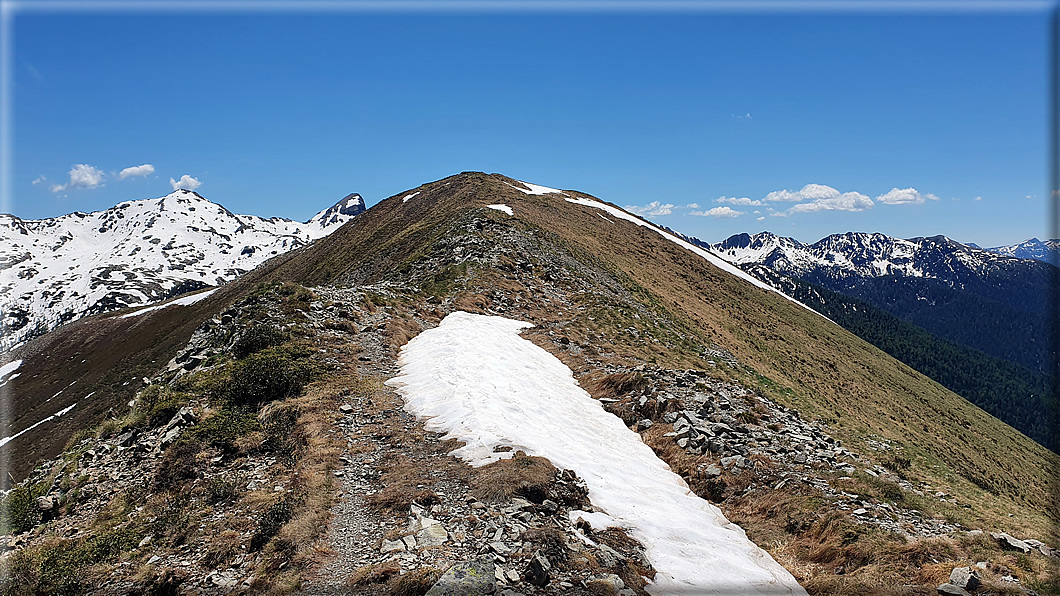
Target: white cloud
81 176
904 196
696 205
808 192
40 180
978 199
718 212
143 170
848 201
739 201
652 208
746 116
763 218
186 182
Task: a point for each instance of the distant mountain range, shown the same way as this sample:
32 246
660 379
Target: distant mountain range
986 300
55 270
1029 249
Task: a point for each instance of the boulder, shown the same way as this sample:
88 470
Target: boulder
965 577
45 504
1007 542
432 535
952 590
538 570
605 583
470 578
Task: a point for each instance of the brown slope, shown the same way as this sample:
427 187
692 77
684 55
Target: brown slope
791 354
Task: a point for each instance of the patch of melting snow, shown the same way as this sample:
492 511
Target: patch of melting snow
474 378
714 259
7 370
535 189
6 440
501 207
185 301
409 196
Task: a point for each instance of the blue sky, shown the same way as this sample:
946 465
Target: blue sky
284 113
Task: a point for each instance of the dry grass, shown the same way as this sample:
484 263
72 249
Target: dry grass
614 385
373 574
400 329
522 475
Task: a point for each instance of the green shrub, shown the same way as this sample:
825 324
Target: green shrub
18 511
273 373
274 518
257 338
106 546
223 427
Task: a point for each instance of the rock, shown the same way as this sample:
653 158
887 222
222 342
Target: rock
346 408
730 462
710 471
1007 542
644 425
538 570
433 535
964 577
860 511
550 506
605 583
45 503
471 578
952 590
392 546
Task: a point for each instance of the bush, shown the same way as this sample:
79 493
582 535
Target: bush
223 427
273 373
274 518
19 512
259 337
180 463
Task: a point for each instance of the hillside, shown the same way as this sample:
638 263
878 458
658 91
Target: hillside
53 271
1016 395
854 472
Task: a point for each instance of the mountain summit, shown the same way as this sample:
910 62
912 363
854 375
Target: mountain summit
55 270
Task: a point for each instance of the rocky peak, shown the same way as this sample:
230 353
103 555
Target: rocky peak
349 207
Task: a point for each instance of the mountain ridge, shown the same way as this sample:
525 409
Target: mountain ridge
826 450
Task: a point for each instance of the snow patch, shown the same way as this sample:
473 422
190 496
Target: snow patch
474 378
714 259
6 440
535 189
184 301
7 369
407 197
501 207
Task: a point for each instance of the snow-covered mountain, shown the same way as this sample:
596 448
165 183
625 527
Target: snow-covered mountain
56 270
1031 249
863 255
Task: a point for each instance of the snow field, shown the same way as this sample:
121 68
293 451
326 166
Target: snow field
475 379
535 189
502 207
183 301
6 440
7 370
